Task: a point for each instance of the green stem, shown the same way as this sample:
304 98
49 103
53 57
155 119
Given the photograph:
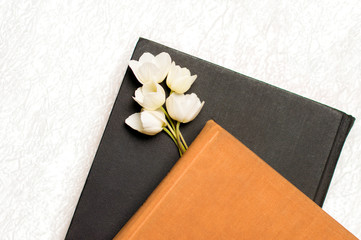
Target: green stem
172 131
168 117
178 137
175 134
180 152
184 142
171 135
174 140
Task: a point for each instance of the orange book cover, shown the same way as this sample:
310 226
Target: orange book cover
220 189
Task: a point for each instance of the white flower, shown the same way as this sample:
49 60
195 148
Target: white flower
150 96
150 68
183 108
179 79
147 122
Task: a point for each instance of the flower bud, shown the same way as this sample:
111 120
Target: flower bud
150 68
150 96
183 107
179 79
147 122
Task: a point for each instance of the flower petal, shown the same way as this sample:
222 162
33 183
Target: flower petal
152 121
183 72
183 108
150 87
196 108
161 116
183 84
138 94
139 97
134 122
134 65
146 57
179 79
152 101
153 96
171 71
174 106
148 72
150 68
163 61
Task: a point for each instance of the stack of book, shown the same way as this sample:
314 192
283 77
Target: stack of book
266 177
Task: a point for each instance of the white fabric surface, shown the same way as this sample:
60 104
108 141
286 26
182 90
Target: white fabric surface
62 63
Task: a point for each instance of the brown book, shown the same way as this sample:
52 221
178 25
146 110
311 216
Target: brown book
220 189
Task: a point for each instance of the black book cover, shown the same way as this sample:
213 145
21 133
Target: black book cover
298 137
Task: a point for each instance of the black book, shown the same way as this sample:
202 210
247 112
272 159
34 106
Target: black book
300 138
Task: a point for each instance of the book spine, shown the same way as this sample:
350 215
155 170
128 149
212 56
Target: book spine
344 128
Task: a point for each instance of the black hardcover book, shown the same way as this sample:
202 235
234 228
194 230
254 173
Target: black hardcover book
298 137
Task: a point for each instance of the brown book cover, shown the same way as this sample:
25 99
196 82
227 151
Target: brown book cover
221 190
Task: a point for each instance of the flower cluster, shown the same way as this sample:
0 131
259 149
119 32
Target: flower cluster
181 108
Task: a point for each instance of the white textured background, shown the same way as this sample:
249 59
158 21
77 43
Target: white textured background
61 65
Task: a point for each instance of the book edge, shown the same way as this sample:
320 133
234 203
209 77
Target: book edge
343 130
